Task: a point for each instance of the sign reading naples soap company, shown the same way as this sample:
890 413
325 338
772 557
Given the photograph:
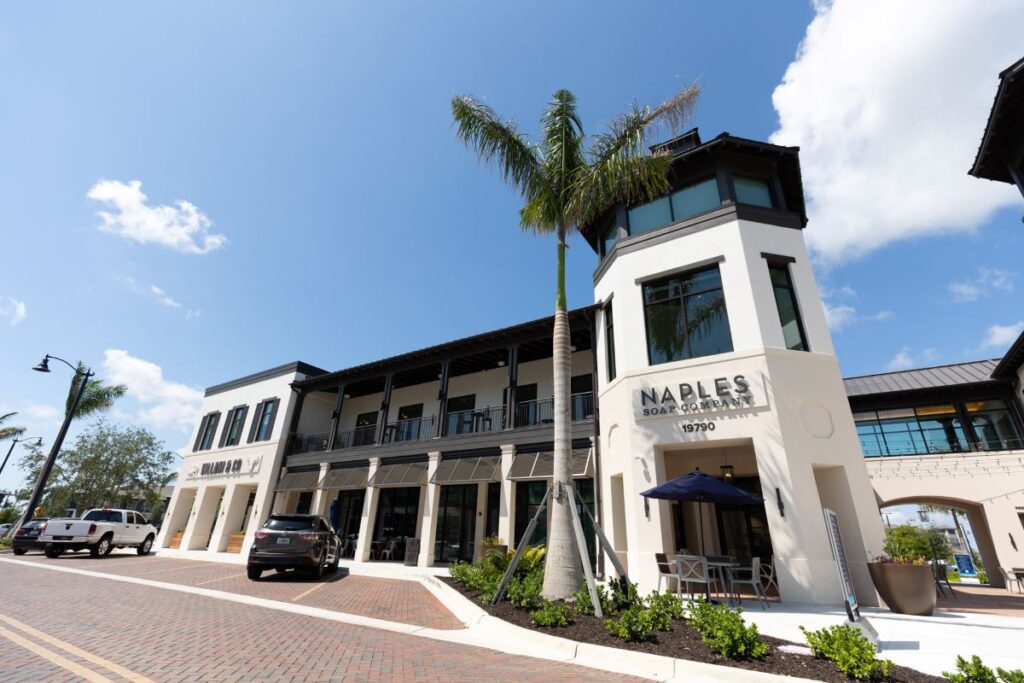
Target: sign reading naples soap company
697 397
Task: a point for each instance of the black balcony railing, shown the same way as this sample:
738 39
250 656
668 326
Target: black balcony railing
310 443
490 419
356 436
412 429
542 411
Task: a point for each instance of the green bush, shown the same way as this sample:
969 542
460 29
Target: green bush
635 624
553 614
624 593
584 605
724 631
982 576
531 561
851 652
524 591
664 607
975 672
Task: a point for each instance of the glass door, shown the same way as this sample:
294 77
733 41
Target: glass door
456 524
348 510
529 495
397 515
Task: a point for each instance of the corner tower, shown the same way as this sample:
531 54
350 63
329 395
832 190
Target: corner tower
714 353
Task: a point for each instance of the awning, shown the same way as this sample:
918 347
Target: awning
345 478
399 474
298 481
542 465
466 470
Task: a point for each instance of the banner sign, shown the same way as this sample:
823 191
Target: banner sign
699 396
965 565
839 553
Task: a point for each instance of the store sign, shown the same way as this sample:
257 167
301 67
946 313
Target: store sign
698 397
219 468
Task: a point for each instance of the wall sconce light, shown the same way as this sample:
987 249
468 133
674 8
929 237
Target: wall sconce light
501 363
778 499
727 472
647 509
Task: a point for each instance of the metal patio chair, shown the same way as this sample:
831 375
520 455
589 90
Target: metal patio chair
768 576
692 569
389 550
1012 578
665 570
750 576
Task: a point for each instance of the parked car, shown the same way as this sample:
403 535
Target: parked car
294 542
27 536
100 531
5 529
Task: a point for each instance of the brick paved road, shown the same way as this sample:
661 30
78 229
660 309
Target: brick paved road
171 636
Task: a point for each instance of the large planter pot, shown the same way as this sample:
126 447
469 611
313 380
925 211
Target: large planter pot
176 540
905 588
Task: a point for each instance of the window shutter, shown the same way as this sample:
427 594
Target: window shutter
275 403
199 436
255 421
227 428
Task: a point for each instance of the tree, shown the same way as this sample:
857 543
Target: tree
98 396
108 466
10 431
566 185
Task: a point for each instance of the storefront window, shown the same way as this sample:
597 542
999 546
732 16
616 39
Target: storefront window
993 425
686 317
911 431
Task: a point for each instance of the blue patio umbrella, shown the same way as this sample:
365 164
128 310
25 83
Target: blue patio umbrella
701 488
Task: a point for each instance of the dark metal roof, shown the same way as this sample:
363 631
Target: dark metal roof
1013 359
1004 121
287 368
941 376
461 352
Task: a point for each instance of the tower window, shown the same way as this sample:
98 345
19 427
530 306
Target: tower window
789 312
686 316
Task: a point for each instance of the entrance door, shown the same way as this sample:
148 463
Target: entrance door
743 529
397 515
456 524
349 510
529 495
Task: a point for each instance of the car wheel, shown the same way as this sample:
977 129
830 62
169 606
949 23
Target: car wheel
334 565
102 547
254 573
146 546
318 571
19 551
51 552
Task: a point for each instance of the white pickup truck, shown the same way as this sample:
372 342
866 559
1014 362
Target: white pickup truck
100 530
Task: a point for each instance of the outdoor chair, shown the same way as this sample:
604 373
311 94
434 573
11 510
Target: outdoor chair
941 576
665 571
768 576
1013 579
691 569
750 576
389 550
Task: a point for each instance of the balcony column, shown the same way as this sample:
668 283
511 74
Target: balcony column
431 501
507 508
362 553
442 397
293 425
336 418
510 393
319 501
385 406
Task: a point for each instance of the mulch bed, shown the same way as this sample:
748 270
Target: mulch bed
684 643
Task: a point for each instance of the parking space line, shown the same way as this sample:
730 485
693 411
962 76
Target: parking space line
53 657
171 569
76 651
307 592
219 578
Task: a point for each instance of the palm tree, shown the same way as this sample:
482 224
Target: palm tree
9 432
97 397
564 186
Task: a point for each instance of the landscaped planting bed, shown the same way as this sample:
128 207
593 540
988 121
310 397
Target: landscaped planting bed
654 625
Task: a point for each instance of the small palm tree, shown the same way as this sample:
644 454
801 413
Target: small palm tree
566 185
98 396
9 432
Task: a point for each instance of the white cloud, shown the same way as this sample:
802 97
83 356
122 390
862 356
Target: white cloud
164 403
906 359
182 227
163 297
1001 336
987 282
888 101
12 309
39 411
842 315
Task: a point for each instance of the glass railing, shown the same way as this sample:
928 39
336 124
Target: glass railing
872 447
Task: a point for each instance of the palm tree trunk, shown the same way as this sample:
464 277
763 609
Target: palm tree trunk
562 568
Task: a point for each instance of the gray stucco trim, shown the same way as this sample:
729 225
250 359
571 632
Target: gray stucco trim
286 369
681 269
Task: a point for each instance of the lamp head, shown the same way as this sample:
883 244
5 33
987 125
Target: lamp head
44 365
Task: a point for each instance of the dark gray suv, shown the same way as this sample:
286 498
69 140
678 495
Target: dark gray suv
294 542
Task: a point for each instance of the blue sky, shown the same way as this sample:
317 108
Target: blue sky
316 141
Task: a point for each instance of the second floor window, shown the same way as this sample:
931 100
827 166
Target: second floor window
785 302
263 420
207 430
686 316
609 340
233 428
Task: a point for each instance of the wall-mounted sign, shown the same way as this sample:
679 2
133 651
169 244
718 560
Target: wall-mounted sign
220 468
698 396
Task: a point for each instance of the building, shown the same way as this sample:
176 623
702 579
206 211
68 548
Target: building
1001 153
707 347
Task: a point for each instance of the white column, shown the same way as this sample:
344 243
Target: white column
430 503
507 509
319 503
228 511
481 518
175 516
369 512
201 501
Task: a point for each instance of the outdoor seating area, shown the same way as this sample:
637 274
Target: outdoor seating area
716 576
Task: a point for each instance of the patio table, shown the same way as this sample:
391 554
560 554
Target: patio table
720 565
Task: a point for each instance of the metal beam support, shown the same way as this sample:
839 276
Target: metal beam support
442 397
385 406
336 418
510 393
581 543
520 548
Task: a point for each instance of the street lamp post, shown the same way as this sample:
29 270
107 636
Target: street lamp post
38 442
44 475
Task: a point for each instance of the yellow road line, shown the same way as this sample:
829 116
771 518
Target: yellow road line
220 578
76 651
305 593
63 662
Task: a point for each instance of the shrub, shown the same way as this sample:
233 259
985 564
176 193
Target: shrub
531 561
584 605
553 614
666 602
851 652
724 631
975 671
636 624
524 591
623 593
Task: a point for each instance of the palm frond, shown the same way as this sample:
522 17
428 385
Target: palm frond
496 142
563 153
9 432
98 396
